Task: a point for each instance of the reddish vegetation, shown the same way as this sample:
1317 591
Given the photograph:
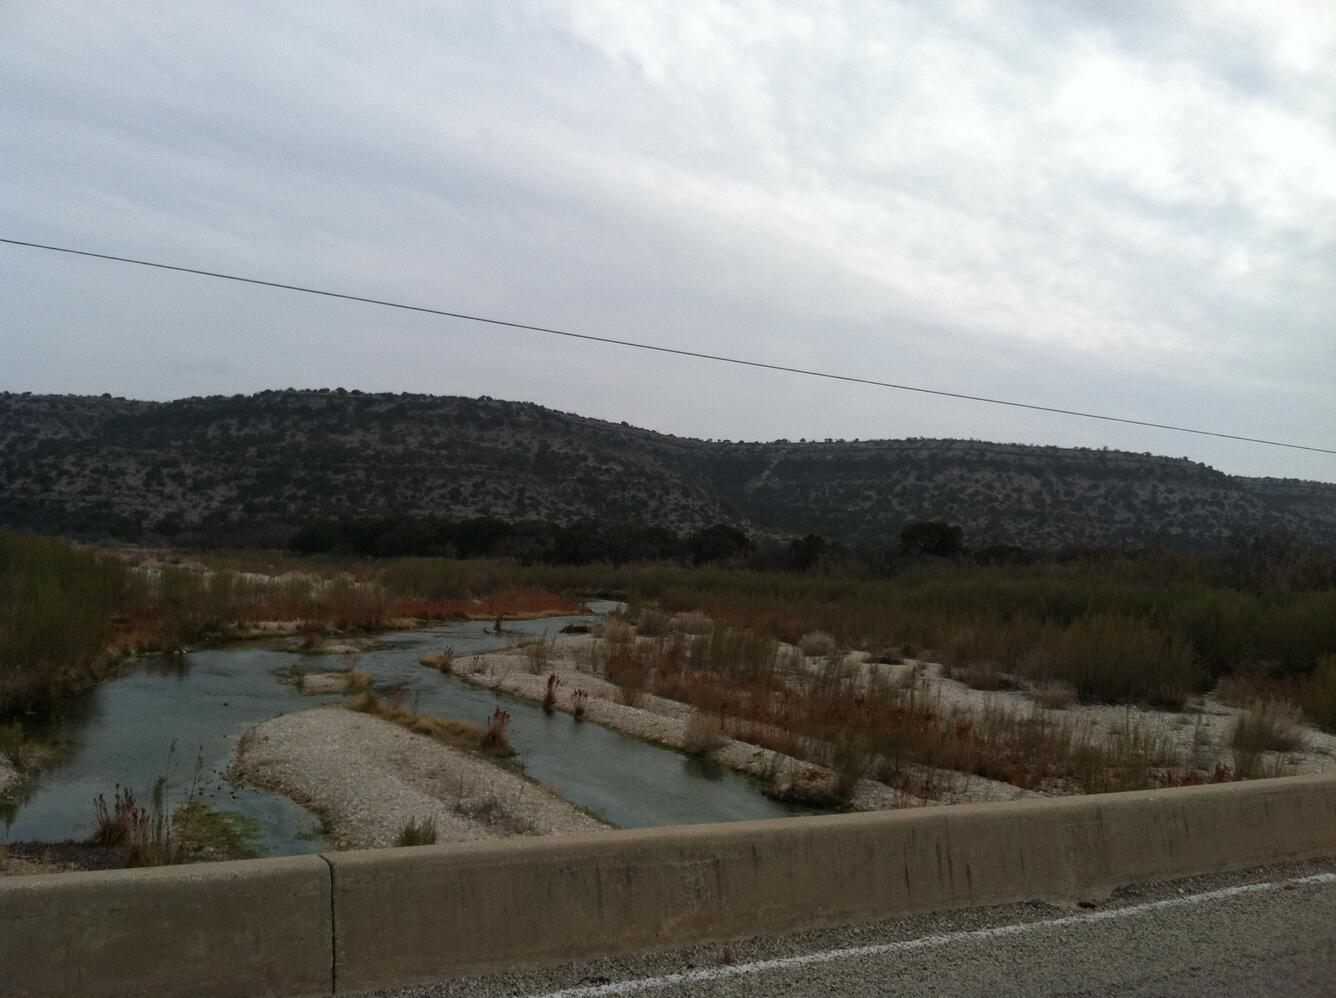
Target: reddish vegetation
157 627
506 603
372 611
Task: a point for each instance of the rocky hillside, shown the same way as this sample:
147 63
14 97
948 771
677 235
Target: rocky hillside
248 469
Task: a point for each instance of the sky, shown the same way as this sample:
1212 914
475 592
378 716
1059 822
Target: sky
1127 207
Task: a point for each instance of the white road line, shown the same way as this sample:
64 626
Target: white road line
924 942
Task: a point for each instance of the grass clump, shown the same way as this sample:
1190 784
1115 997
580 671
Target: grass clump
144 834
817 644
1269 725
442 660
538 655
1317 695
653 624
417 833
111 825
494 738
455 732
1264 726
704 732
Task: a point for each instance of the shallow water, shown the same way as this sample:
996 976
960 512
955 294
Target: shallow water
165 714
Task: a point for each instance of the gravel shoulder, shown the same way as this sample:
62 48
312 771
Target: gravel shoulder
367 778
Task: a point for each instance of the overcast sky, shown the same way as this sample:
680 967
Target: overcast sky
1126 207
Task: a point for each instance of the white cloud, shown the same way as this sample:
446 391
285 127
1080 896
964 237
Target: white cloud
1090 205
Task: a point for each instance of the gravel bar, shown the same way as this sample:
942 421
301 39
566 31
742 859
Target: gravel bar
367 778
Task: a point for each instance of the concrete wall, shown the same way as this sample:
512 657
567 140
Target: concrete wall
421 914
256 927
408 915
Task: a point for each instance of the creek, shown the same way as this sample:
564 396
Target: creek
179 716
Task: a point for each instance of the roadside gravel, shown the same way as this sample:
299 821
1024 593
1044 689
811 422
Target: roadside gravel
367 778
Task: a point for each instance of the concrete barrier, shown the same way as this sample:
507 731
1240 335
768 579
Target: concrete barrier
412 915
256 927
362 920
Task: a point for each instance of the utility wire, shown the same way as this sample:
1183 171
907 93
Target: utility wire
658 348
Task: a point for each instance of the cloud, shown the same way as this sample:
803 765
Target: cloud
1128 208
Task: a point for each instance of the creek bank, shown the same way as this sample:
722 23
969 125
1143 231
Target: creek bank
579 691
341 681
19 858
369 778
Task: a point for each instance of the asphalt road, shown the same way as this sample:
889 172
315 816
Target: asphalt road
1267 931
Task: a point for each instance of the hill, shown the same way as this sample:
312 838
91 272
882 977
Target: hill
249 469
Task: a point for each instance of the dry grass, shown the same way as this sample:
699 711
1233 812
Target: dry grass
143 834
1317 694
1264 726
442 660
854 720
455 732
653 624
538 655
494 738
692 622
112 825
627 667
1054 695
415 833
704 732
815 644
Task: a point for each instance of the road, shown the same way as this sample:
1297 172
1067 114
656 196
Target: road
1267 931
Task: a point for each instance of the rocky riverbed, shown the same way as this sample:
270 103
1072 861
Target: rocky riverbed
368 778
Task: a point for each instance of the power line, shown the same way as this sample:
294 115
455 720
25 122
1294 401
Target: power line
658 348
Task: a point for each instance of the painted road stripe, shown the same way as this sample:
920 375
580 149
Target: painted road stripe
925 942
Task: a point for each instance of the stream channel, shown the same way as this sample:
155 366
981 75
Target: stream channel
162 713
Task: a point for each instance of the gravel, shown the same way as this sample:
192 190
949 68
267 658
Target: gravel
18 858
326 682
368 777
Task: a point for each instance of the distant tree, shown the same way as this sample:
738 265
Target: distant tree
880 555
805 552
315 537
717 543
931 537
1002 554
1257 558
